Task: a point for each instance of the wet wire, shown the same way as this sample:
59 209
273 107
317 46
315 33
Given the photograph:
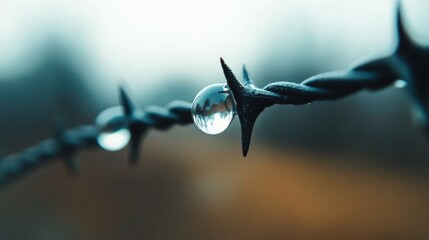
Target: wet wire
409 62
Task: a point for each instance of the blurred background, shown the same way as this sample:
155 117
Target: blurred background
355 168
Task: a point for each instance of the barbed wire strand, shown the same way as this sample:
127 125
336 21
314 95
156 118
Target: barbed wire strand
251 101
68 143
409 62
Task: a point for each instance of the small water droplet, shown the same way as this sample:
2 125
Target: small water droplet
113 133
400 84
213 108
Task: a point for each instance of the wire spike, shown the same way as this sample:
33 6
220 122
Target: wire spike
232 81
412 68
126 102
134 126
135 141
250 101
67 149
405 43
247 129
247 79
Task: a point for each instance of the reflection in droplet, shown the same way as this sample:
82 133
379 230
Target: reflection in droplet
213 108
400 84
113 133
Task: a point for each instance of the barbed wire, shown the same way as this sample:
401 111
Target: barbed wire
409 62
251 101
66 144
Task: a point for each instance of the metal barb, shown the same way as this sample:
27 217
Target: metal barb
139 122
136 129
67 149
410 62
247 79
249 103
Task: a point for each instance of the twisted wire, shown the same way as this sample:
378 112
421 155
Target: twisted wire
408 62
67 143
327 86
252 101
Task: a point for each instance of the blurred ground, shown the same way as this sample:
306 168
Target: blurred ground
181 195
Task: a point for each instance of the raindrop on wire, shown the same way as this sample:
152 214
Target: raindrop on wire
213 108
114 134
400 84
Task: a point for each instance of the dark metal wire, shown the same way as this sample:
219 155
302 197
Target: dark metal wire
251 101
67 143
409 62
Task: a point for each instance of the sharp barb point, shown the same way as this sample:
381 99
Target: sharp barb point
404 40
125 101
68 151
245 145
247 122
247 79
231 80
136 139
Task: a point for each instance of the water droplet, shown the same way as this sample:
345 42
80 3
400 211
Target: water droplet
113 133
400 84
213 108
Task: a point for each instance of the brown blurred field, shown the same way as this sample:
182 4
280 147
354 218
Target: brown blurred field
179 194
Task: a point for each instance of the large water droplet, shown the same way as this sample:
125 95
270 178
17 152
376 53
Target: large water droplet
213 108
113 134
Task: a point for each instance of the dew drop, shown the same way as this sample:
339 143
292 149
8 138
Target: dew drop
213 108
113 133
400 84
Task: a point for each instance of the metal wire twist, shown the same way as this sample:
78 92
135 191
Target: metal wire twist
68 143
408 62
